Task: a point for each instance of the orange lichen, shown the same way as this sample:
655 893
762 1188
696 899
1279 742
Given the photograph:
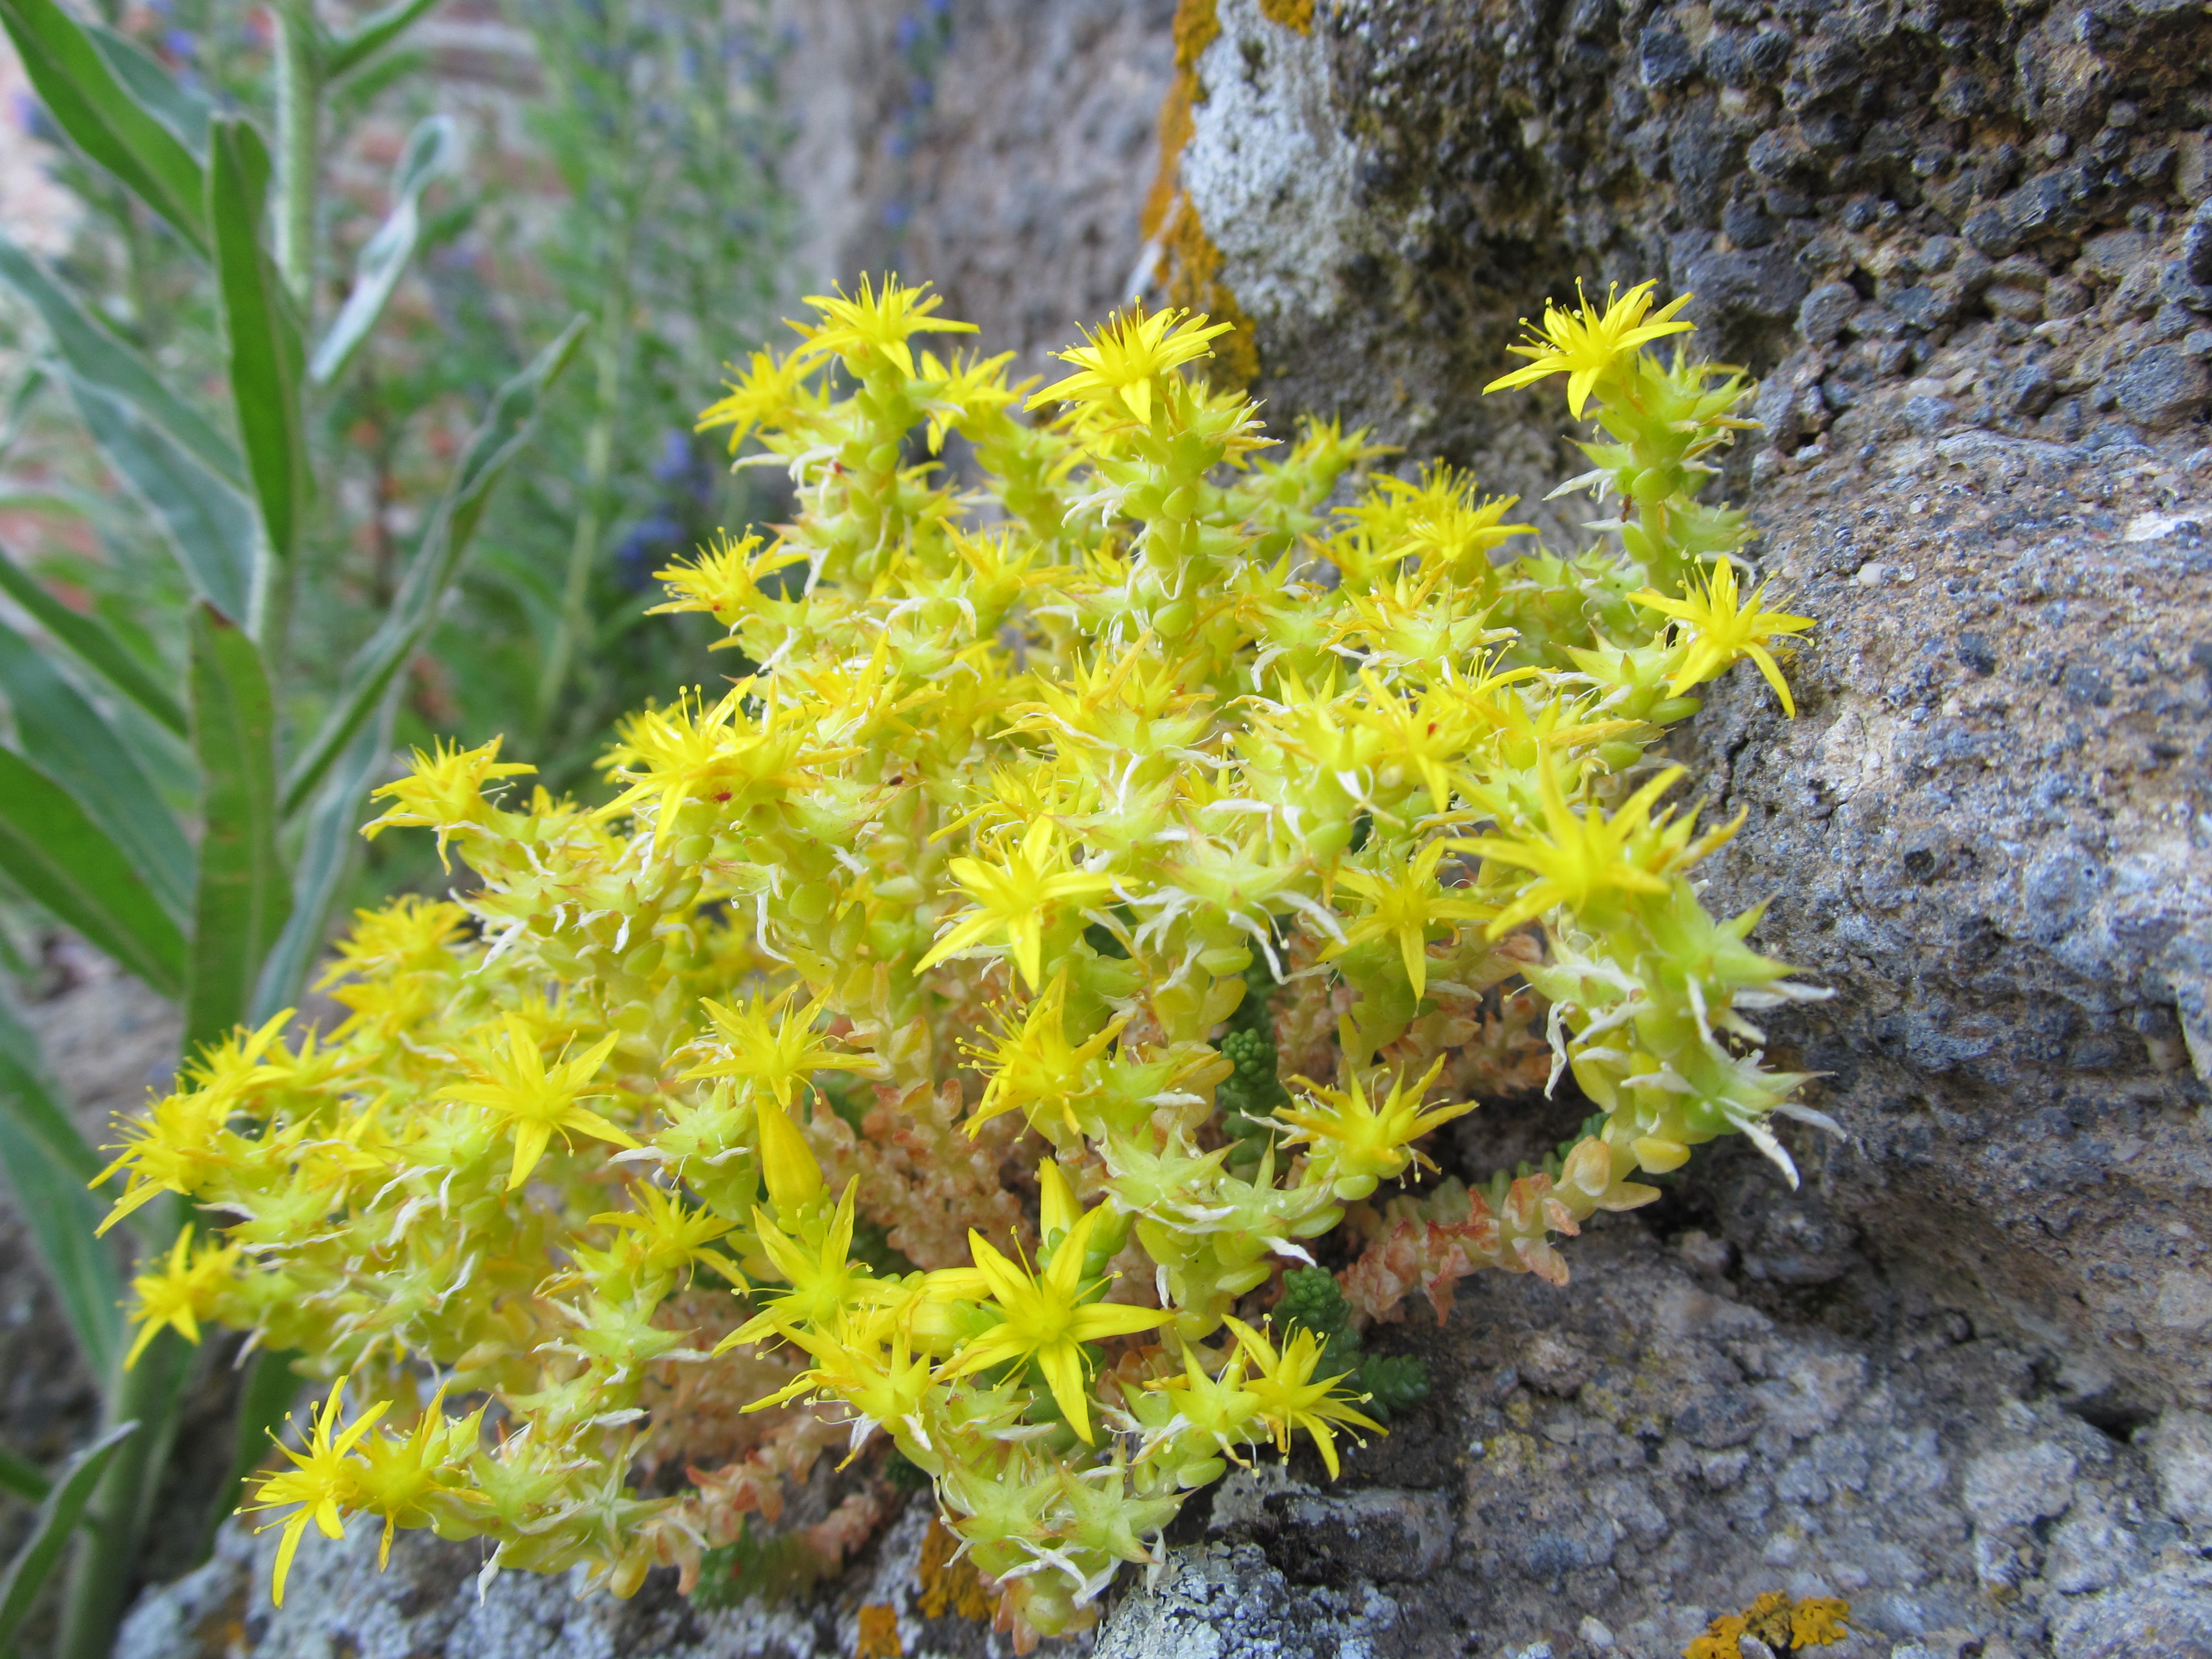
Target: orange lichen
1194 281
1784 1626
950 1586
879 1635
1290 14
1181 254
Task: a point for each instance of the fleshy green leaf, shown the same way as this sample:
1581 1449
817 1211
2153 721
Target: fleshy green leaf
374 33
98 356
243 899
209 525
65 861
94 646
506 428
266 357
66 737
49 1166
50 1534
82 93
432 149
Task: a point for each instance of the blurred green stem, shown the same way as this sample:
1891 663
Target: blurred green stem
299 133
102 1574
610 357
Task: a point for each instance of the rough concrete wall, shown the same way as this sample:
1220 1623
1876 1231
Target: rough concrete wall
1000 150
1964 246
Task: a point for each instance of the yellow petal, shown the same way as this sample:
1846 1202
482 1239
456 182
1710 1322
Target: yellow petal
793 1177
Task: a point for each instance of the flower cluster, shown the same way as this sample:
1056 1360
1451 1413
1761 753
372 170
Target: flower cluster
1108 867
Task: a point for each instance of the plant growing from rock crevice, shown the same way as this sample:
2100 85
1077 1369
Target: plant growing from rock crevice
933 930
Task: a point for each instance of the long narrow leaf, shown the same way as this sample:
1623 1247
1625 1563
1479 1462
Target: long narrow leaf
243 898
350 51
49 1165
70 741
506 428
94 645
98 356
209 525
24 1480
432 149
81 93
161 95
65 861
325 855
265 354
57 1518
265 1395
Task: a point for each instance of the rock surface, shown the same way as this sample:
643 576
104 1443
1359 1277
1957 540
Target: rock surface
1706 1441
1970 252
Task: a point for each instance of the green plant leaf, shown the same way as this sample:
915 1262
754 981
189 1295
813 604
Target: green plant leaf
23 1478
161 95
349 51
49 1166
94 645
65 861
57 1517
265 1395
326 854
98 356
243 899
17 496
265 357
81 91
505 430
67 738
209 525
432 149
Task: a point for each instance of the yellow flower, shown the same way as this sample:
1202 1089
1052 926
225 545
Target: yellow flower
869 323
1037 1065
851 1364
1289 1397
1720 629
444 791
1585 346
1014 898
766 1043
824 1285
1367 1143
396 1474
766 393
1124 358
323 1480
513 1082
1405 908
182 1293
674 1237
1587 854
1046 1319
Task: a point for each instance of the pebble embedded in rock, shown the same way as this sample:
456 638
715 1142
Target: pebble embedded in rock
2161 387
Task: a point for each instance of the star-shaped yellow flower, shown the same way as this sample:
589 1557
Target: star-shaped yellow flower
512 1081
1586 345
1405 907
1717 630
1289 1397
182 1293
1014 898
1047 1318
1124 358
